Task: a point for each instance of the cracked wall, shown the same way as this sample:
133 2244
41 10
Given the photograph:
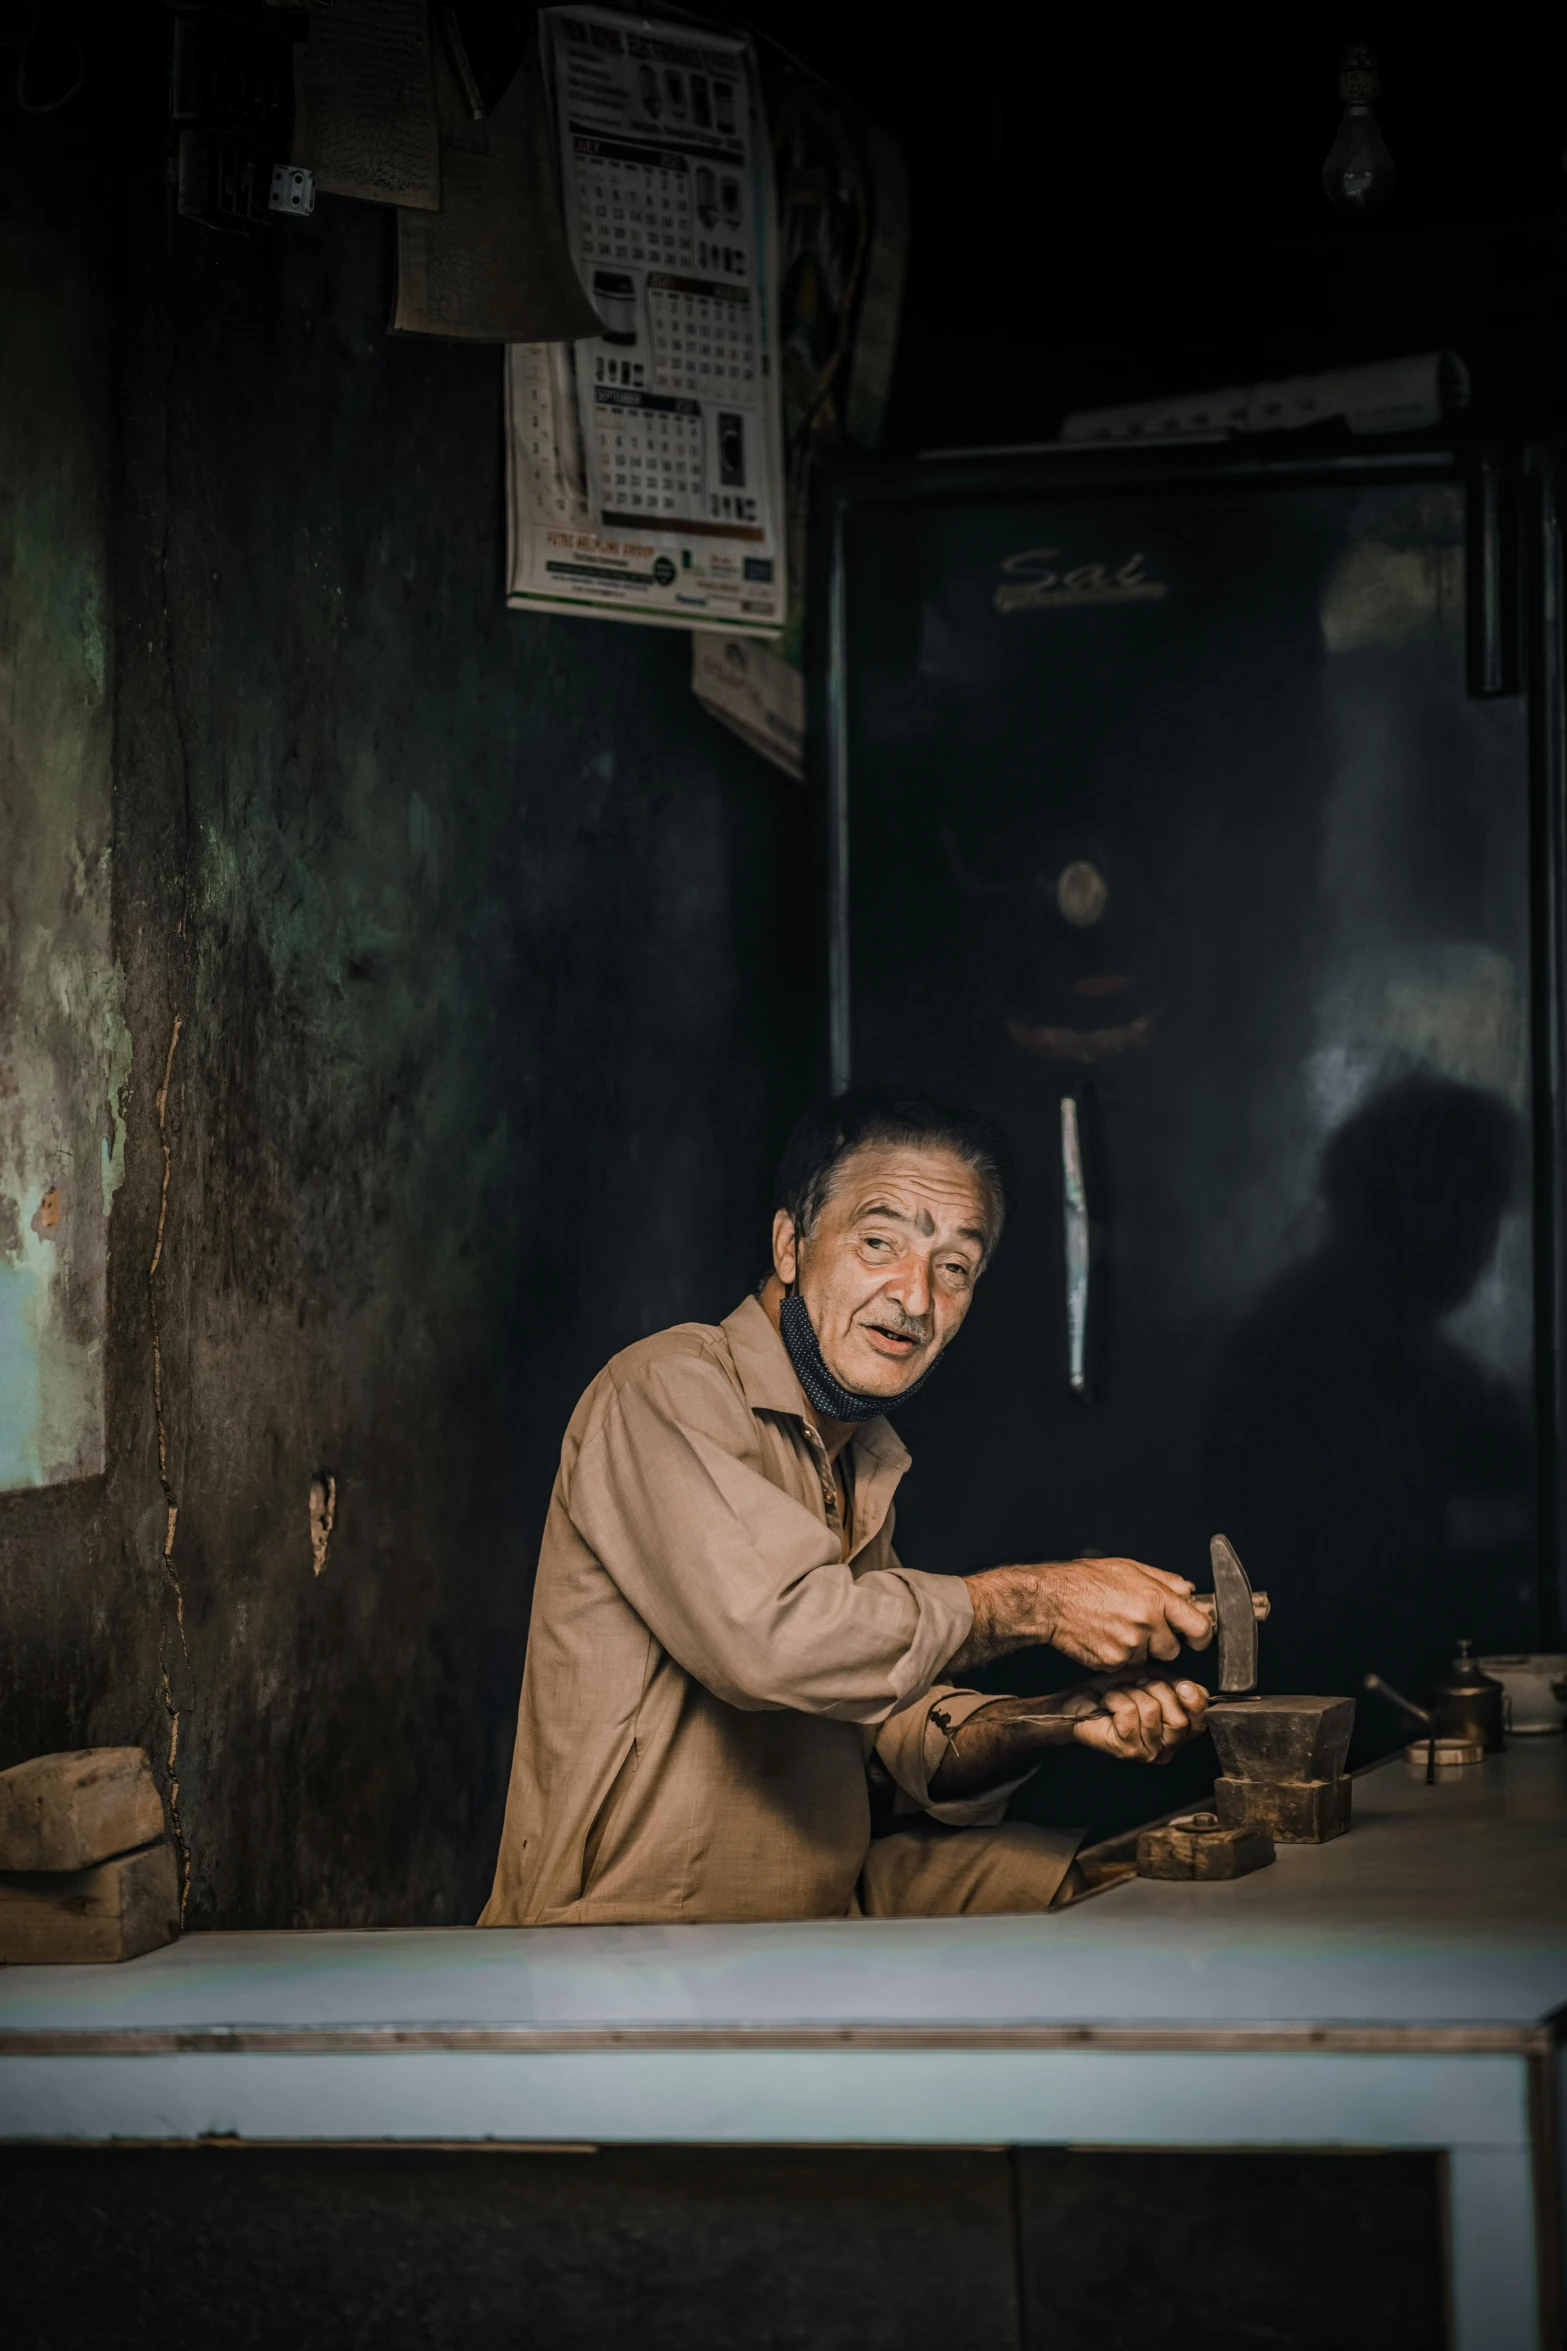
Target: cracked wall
458 974
63 1046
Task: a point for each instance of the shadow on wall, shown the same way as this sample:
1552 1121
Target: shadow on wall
1377 1477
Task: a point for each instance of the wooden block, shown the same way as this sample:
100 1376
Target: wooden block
70 1811
114 1911
1200 1846
1294 1812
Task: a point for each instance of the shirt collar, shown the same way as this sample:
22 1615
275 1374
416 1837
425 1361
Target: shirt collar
769 1384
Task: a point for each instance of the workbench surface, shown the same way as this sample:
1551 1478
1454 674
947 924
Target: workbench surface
1444 1907
1394 1989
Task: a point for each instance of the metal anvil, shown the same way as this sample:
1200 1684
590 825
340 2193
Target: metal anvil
1281 1759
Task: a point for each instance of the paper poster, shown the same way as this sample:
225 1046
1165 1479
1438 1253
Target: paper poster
491 266
644 463
364 103
843 247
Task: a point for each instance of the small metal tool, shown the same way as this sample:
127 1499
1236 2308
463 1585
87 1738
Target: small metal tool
1198 1845
1466 1717
1374 1681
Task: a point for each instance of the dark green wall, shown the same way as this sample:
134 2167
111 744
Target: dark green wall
495 999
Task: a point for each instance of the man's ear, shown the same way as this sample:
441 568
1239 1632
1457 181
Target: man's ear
786 1262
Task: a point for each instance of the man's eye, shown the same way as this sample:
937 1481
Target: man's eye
877 1241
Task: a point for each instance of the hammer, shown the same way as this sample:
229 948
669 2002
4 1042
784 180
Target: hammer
1236 1611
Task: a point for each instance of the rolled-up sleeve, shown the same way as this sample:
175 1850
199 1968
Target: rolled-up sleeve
913 1746
740 1582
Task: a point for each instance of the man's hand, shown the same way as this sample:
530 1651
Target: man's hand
1107 1613
1145 1719
1137 1718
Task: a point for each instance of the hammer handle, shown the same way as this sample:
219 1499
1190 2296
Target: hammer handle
1260 1605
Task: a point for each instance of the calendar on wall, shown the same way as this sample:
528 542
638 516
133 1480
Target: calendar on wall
645 476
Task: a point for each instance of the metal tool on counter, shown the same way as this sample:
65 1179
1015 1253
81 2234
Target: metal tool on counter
1469 1704
1453 1750
1198 1845
1464 1720
1281 1759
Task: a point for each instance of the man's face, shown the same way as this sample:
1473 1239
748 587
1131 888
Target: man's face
888 1274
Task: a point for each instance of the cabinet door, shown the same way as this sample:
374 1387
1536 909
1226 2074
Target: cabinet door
1175 809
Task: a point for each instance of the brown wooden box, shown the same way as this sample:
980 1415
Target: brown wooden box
70 1811
112 1911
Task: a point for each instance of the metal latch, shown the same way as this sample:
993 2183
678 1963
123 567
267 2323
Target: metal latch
293 190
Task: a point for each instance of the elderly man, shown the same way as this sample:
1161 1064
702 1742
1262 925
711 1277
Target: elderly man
729 1675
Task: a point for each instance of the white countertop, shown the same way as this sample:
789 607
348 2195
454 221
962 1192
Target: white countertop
1444 1907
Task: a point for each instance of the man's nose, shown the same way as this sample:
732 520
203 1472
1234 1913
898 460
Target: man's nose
911 1286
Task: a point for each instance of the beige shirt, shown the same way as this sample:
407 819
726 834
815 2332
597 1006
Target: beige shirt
707 1673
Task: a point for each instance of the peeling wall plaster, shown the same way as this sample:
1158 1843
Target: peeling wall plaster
64 1046
466 1004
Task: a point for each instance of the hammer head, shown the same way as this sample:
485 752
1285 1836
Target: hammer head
1237 1620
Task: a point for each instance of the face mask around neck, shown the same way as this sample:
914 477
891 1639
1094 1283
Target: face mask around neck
828 1395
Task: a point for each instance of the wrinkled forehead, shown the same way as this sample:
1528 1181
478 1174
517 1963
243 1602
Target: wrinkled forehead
935 1190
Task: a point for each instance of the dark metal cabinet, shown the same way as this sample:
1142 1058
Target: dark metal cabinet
1206 798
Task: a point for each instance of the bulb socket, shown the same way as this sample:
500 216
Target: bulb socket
1359 83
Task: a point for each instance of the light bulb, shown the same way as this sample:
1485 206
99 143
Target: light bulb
1359 175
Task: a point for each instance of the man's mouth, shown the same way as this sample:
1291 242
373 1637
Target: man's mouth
893 1341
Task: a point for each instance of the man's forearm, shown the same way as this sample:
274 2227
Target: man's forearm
1012 1610
1107 1613
998 1742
